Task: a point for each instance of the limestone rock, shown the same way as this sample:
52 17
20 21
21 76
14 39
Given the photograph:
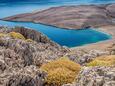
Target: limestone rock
28 76
96 76
111 10
32 52
20 60
32 34
111 49
83 56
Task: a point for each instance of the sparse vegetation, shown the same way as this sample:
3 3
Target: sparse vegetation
29 40
2 34
103 61
16 35
61 71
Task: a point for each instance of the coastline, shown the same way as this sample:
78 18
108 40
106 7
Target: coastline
102 45
96 45
45 24
98 19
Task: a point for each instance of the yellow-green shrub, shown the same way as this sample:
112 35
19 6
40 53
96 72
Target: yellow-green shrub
61 71
16 35
2 34
103 61
29 40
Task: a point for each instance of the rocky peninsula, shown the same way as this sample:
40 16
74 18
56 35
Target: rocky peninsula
71 17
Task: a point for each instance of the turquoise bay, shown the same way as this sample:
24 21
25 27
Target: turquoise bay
70 38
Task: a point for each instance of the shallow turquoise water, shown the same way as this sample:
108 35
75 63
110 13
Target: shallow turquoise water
70 38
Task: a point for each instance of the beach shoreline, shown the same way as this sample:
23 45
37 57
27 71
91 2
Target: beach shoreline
102 45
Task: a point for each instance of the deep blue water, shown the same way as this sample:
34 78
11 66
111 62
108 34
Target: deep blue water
70 38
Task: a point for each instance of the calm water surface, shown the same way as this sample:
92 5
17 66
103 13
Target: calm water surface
70 38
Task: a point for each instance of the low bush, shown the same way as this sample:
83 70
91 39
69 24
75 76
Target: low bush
29 40
61 71
16 35
2 34
103 61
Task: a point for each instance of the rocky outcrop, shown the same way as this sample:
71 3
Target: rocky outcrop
111 10
95 76
20 59
111 49
71 17
32 34
28 76
29 34
83 56
32 52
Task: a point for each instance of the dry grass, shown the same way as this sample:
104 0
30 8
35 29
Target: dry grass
103 61
16 35
29 40
61 71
